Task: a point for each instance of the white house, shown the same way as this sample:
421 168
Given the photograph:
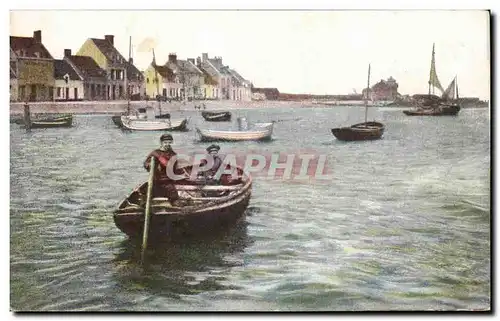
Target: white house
68 84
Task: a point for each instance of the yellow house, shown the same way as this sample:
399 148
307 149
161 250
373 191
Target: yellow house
116 66
209 90
32 69
161 80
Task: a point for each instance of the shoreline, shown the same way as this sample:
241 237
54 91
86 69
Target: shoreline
120 106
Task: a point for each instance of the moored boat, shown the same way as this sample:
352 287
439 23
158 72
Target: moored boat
52 122
368 130
363 131
441 110
216 116
201 210
433 105
150 125
258 132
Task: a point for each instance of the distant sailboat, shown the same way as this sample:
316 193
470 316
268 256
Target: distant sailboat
363 131
433 105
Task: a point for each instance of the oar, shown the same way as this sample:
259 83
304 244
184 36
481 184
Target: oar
147 214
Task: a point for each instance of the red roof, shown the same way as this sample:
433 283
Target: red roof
27 47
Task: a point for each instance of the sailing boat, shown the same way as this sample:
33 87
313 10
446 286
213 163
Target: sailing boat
433 105
144 121
363 131
167 115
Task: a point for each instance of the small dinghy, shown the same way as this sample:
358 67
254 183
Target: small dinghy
216 116
51 122
151 125
256 132
203 208
363 131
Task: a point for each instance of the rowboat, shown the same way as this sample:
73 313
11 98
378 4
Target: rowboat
52 122
129 123
216 116
202 209
49 122
258 132
362 131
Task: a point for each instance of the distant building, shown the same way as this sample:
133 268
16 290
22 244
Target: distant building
32 69
187 74
109 59
270 93
384 90
240 87
68 84
94 77
209 88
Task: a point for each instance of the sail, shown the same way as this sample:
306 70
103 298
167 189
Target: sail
450 91
433 78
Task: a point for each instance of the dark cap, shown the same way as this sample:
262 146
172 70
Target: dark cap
166 137
213 148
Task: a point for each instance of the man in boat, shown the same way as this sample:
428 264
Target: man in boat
163 186
213 154
211 173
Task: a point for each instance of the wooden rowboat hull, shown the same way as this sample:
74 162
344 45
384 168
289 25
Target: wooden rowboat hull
263 134
358 132
209 216
211 116
63 122
175 226
144 125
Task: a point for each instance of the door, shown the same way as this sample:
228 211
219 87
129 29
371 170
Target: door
33 93
67 93
76 94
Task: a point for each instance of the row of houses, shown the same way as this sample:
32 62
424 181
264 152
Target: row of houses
99 72
200 78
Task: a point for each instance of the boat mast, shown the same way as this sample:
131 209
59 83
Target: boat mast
126 77
430 72
367 93
456 87
157 82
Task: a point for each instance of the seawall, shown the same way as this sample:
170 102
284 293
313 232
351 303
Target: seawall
118 107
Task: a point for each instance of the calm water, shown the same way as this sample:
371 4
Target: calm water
403 224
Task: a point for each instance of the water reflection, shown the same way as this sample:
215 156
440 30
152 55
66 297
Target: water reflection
182 268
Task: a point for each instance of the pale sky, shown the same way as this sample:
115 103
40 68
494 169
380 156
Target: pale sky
314 52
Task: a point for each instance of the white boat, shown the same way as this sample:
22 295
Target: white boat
153 125
258 132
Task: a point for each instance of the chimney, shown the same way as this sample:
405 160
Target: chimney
172 58
37 35
67 52
110 39
204 56
198 61
191 60
131 60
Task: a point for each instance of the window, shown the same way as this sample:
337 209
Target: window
147 80
22 92
37 54
58 91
